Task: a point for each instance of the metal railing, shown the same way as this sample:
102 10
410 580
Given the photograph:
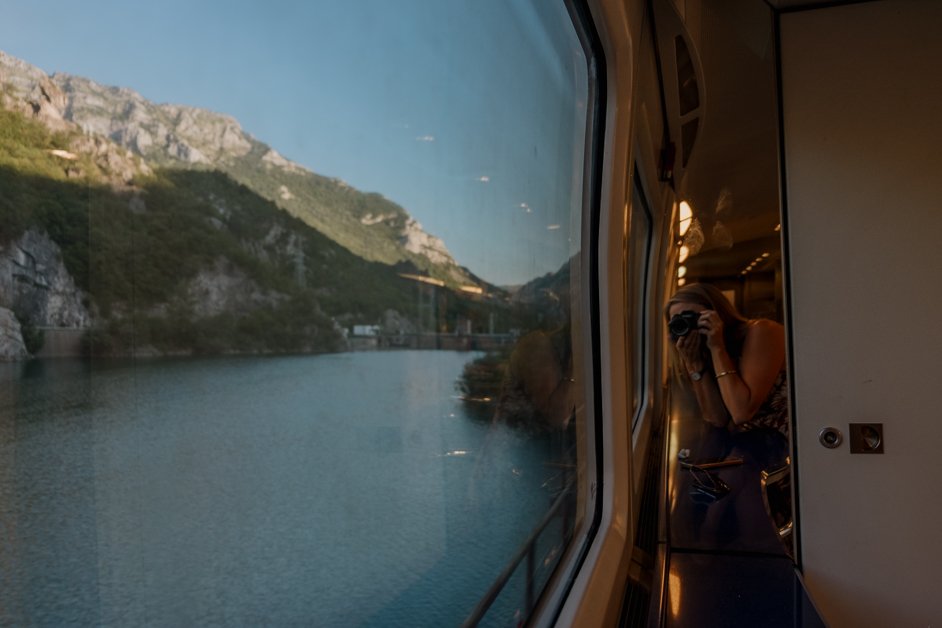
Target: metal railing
527 551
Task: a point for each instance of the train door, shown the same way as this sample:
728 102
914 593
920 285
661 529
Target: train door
861 117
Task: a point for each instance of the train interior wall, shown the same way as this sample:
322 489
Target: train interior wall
862 122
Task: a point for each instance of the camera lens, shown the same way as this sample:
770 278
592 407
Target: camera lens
683 323
678 327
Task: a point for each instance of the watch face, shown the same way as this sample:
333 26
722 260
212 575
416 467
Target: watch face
696 376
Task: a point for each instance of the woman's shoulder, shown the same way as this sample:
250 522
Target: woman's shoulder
764 326
764 331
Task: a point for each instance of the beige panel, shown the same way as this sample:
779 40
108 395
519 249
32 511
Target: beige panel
863 128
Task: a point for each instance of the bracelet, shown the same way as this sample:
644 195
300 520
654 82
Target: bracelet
725 373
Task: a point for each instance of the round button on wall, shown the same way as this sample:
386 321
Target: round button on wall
830 437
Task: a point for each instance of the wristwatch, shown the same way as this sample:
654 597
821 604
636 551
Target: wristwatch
696 376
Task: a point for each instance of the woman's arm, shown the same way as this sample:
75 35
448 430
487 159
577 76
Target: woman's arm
746 385
710 401
705 389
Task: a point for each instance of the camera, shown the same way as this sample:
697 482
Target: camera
682 324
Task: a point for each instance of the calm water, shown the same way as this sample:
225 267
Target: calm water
325 490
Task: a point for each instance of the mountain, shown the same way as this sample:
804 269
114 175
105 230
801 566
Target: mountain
367 224
143 256
172 261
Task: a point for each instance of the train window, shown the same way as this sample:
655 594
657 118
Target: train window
291 303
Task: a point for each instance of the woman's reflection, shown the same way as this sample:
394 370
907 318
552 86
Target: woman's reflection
736 370
736 366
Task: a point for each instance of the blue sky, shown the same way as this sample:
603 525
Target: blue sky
468 113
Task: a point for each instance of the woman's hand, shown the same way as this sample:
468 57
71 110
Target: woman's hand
711 327
690 353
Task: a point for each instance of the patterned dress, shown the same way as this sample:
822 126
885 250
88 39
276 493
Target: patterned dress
773 413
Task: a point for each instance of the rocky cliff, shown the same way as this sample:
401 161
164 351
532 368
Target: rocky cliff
161 133
11 337
35 283
35 287
27 89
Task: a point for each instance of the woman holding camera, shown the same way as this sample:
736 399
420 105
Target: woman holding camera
736 366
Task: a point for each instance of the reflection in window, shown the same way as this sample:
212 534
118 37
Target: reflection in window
685 219
639 248
688 136
729 261
303 348
686 78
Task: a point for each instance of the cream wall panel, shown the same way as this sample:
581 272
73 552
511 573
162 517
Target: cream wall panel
862 105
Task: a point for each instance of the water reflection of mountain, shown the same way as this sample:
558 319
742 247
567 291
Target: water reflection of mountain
526 384
546 299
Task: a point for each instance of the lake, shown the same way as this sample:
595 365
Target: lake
331 490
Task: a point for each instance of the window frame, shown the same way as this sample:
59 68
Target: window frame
550 605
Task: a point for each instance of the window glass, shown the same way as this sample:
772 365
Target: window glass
290 310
